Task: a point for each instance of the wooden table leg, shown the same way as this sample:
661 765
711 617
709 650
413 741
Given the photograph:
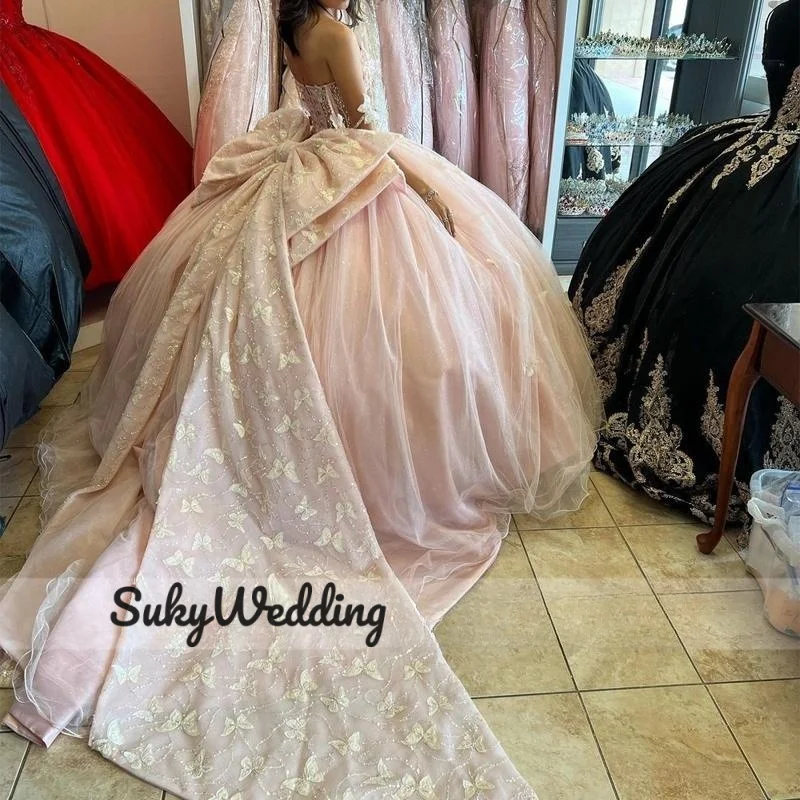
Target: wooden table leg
743 378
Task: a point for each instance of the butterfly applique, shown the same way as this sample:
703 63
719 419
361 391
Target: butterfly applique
239 722
177 559
352 744
127 674
327 538
304 787
180 721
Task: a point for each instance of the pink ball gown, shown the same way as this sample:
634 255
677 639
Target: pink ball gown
243 81
505 104
405 61
455 96
542 32
305 379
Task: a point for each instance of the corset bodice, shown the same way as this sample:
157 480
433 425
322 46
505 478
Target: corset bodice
324 105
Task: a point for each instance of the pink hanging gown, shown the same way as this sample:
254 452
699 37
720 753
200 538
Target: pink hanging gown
405 62
243 82
505 104
455 96
305 379
542 32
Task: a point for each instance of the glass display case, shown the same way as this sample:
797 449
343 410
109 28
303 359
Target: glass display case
636 75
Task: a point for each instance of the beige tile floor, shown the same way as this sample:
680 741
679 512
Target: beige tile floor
611 659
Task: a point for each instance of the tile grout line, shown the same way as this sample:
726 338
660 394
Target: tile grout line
569 668
736 741
752 680
702 680
29 483
596 690
663 610
13 510
580 694
35 472
522 694
683 647
599 747
549 616
23 762
708 591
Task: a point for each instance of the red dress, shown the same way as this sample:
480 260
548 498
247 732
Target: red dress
122 165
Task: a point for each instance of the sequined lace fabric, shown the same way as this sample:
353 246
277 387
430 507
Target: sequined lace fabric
327 111
789 115
324 105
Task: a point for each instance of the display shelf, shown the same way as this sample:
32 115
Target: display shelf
606 143
656 57
606 130
585 215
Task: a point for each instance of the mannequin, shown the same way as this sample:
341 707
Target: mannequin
781 51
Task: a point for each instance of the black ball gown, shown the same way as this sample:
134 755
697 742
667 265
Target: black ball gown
711 225
42 263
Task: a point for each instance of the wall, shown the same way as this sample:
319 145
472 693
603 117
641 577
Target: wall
143 39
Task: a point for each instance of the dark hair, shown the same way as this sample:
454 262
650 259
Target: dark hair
294 13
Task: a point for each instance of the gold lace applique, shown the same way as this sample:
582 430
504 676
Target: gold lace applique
612 438
577 298
784 445
766 164
771 152
643 348
606 365
746 124
743 155
656 446
788 117
704 130
600 313
713 418
677 195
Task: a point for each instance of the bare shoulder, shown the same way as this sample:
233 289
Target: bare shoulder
334 35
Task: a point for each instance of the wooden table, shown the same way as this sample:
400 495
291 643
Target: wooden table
772 353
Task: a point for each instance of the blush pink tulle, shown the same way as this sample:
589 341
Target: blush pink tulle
304 379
